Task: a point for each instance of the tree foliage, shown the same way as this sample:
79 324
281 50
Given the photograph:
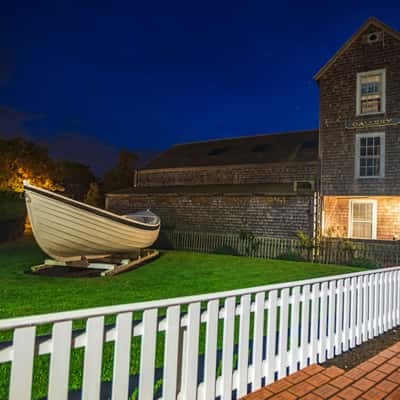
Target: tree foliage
121 175
23 160
94 196
75 177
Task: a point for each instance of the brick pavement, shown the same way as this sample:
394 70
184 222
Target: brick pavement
375 379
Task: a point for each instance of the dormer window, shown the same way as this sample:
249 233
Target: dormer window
217 151
371 92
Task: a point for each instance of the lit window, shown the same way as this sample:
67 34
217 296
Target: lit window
362 219
371 92
370 155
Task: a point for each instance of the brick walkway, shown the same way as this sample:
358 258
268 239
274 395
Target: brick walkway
375 379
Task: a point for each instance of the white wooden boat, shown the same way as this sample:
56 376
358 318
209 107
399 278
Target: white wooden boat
67 229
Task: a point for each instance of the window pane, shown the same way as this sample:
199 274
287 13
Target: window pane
369 156
371 93
362 219
362 211
362 230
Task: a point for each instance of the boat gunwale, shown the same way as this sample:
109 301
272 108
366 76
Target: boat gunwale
94 210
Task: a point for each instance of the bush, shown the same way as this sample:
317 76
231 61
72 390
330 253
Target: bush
227 250
12 205
11 229
12 216
291 256
250 242
362 263
93 196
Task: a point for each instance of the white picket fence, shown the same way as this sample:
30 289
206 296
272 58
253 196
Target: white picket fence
266 333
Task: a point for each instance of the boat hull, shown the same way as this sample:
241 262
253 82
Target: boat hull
66 229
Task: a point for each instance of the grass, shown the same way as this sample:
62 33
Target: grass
173 274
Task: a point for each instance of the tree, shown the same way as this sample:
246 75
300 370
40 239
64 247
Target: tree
122 175
75 177
94 196
23 160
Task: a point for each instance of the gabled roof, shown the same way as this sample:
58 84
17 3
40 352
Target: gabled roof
259 149
370 21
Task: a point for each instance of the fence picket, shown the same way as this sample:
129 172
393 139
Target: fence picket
385 302
365 308
170 376
371 302
93 357
315 314
390 300
189 381
323 322
271 336
359 310
353 312
305 326
210 361
59 362
331 319
339 340
397 297
381 304
258 340
283 333
294 330
227 348
147 354
22 363
243 351
377 295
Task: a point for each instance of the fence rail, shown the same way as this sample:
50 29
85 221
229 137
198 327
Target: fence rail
266 333
330 251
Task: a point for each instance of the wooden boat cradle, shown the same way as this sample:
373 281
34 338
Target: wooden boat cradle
111 264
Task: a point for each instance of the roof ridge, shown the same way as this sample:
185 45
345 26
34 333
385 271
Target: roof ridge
245 137
353 37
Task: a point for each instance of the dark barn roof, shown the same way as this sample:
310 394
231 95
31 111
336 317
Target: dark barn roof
259 149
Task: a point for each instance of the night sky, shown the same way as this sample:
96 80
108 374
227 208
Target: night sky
146 74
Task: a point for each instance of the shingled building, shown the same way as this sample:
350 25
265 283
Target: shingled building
343 179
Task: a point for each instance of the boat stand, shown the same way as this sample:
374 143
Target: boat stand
110 265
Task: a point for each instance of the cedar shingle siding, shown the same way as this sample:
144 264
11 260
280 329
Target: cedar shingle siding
338 109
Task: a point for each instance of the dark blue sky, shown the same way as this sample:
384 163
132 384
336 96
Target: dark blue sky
146 74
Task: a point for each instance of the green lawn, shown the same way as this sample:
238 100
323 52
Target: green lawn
173 274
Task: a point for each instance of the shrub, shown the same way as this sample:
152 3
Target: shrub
251 243
93 196
291 256
362 263
12 205
227 250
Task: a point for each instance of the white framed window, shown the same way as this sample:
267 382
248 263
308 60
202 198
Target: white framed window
362 219
371 92
370 155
